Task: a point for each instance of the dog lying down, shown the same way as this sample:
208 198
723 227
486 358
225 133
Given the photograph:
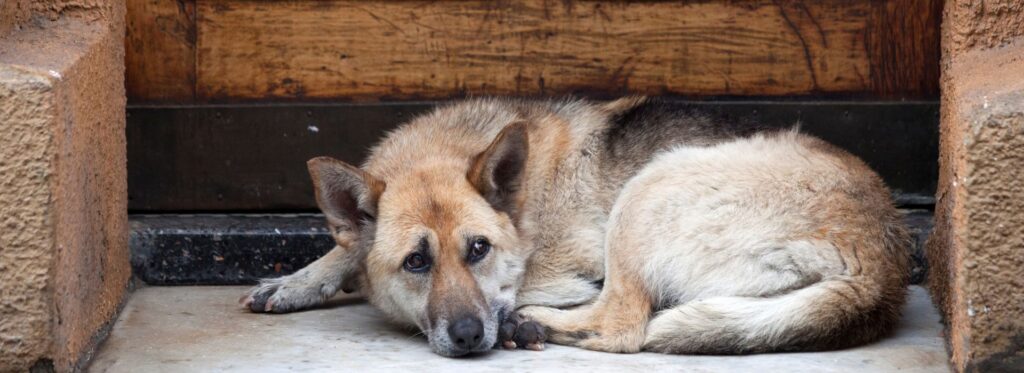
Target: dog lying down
625 226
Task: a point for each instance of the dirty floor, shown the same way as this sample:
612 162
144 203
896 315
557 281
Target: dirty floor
202 329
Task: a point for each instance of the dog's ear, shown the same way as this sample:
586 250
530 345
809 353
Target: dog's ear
348 198
347 195
622 106
498 172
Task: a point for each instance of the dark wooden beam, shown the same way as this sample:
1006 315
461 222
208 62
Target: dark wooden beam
252 157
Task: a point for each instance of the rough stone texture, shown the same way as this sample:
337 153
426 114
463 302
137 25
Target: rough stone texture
976 253
18 14
63 243
202 329
13 13
993 260
979 24
105 10
26 225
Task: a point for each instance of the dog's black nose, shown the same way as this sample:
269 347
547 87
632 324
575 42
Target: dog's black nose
466 332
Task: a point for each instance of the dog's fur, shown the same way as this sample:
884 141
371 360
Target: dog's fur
623 226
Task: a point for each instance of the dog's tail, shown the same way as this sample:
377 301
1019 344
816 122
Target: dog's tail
836 312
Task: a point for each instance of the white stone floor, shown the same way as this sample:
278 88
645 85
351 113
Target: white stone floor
202 329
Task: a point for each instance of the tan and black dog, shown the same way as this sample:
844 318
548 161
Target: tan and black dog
623 226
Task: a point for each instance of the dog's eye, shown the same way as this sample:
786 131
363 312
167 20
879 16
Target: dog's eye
416 262
478 249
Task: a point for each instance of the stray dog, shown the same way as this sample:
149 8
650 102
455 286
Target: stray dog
622 226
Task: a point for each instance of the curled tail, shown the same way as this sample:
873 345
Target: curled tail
837 312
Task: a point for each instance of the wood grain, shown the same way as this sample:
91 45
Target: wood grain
368 50
903 48
413 49
160 51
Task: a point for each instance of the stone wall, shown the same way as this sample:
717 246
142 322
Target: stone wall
13 13
63 243
977 248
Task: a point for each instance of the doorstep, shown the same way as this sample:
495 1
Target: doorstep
197 328
239 249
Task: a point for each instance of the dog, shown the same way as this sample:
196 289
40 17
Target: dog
623 226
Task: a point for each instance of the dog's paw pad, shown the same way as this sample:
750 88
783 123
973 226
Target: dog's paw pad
517 332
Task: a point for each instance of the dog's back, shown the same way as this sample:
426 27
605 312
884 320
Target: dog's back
635 134
749 239
778 241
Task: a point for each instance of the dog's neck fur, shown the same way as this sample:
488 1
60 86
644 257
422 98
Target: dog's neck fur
560 137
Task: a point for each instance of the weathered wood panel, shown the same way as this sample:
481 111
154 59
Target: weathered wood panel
903 47
160 56
370 50
376 49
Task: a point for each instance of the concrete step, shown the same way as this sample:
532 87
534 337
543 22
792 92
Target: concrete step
237 249
202 329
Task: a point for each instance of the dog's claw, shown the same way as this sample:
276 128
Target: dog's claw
517 332
245 300
258 299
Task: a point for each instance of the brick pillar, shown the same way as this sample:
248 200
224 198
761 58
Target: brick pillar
63 225
977 250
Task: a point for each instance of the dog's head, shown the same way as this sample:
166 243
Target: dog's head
435 247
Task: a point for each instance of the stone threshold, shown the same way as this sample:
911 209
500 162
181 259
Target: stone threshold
202 329
237 249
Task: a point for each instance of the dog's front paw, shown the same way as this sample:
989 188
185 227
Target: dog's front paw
281 295
257 299
518 332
